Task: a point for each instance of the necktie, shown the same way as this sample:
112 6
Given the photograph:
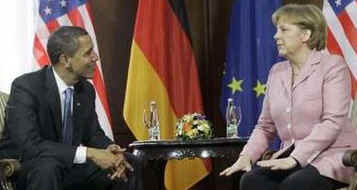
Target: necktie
67 129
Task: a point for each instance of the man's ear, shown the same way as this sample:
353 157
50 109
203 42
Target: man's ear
63 59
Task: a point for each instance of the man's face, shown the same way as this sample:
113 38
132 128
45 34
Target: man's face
84 60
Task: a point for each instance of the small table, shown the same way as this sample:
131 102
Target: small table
164 150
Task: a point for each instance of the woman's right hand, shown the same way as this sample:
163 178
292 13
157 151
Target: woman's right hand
242 164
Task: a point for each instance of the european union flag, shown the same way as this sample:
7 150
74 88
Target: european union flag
251 52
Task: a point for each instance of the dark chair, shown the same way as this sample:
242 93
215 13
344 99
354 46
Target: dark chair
7 166
350 159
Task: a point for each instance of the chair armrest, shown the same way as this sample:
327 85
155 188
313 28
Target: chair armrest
9 166
350 158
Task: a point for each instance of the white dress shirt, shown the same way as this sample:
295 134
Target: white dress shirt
81 152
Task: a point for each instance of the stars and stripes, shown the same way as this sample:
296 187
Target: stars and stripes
341 17
55 13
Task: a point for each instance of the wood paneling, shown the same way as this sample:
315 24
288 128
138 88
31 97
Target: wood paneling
114 24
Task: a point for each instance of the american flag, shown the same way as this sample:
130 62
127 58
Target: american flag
341 17
55 13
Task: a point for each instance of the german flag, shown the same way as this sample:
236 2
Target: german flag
163 69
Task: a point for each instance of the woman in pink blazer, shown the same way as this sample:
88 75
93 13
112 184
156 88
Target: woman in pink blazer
306 105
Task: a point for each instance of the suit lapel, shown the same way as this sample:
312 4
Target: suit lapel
77 110
54 101
286 79
308 68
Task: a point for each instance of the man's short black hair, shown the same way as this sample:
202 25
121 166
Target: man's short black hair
64 41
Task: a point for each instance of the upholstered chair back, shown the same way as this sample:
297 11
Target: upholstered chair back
3 100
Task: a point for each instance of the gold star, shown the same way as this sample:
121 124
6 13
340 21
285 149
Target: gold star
260 89
235 85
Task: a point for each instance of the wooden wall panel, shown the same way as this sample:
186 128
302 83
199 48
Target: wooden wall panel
218 27
114 24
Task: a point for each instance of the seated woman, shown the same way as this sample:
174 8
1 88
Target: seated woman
306 105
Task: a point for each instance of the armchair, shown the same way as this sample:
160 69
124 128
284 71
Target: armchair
350 159
7 166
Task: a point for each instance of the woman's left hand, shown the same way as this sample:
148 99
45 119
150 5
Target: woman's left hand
278 164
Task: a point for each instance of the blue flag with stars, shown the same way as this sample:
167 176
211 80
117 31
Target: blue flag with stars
251 52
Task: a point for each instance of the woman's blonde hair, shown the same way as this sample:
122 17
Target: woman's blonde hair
306 17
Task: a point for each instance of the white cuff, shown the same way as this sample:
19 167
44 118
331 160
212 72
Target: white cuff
81 155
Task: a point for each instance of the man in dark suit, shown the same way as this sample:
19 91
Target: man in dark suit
52 126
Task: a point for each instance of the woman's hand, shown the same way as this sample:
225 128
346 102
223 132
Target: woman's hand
278 164
242 164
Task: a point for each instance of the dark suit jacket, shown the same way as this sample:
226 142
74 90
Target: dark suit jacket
33 124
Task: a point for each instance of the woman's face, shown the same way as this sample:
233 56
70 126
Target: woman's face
290 39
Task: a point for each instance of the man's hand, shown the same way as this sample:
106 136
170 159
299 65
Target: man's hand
102 157
242 164
115 149
121 165
278 164
119 171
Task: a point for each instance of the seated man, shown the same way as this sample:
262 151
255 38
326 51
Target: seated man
53 129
